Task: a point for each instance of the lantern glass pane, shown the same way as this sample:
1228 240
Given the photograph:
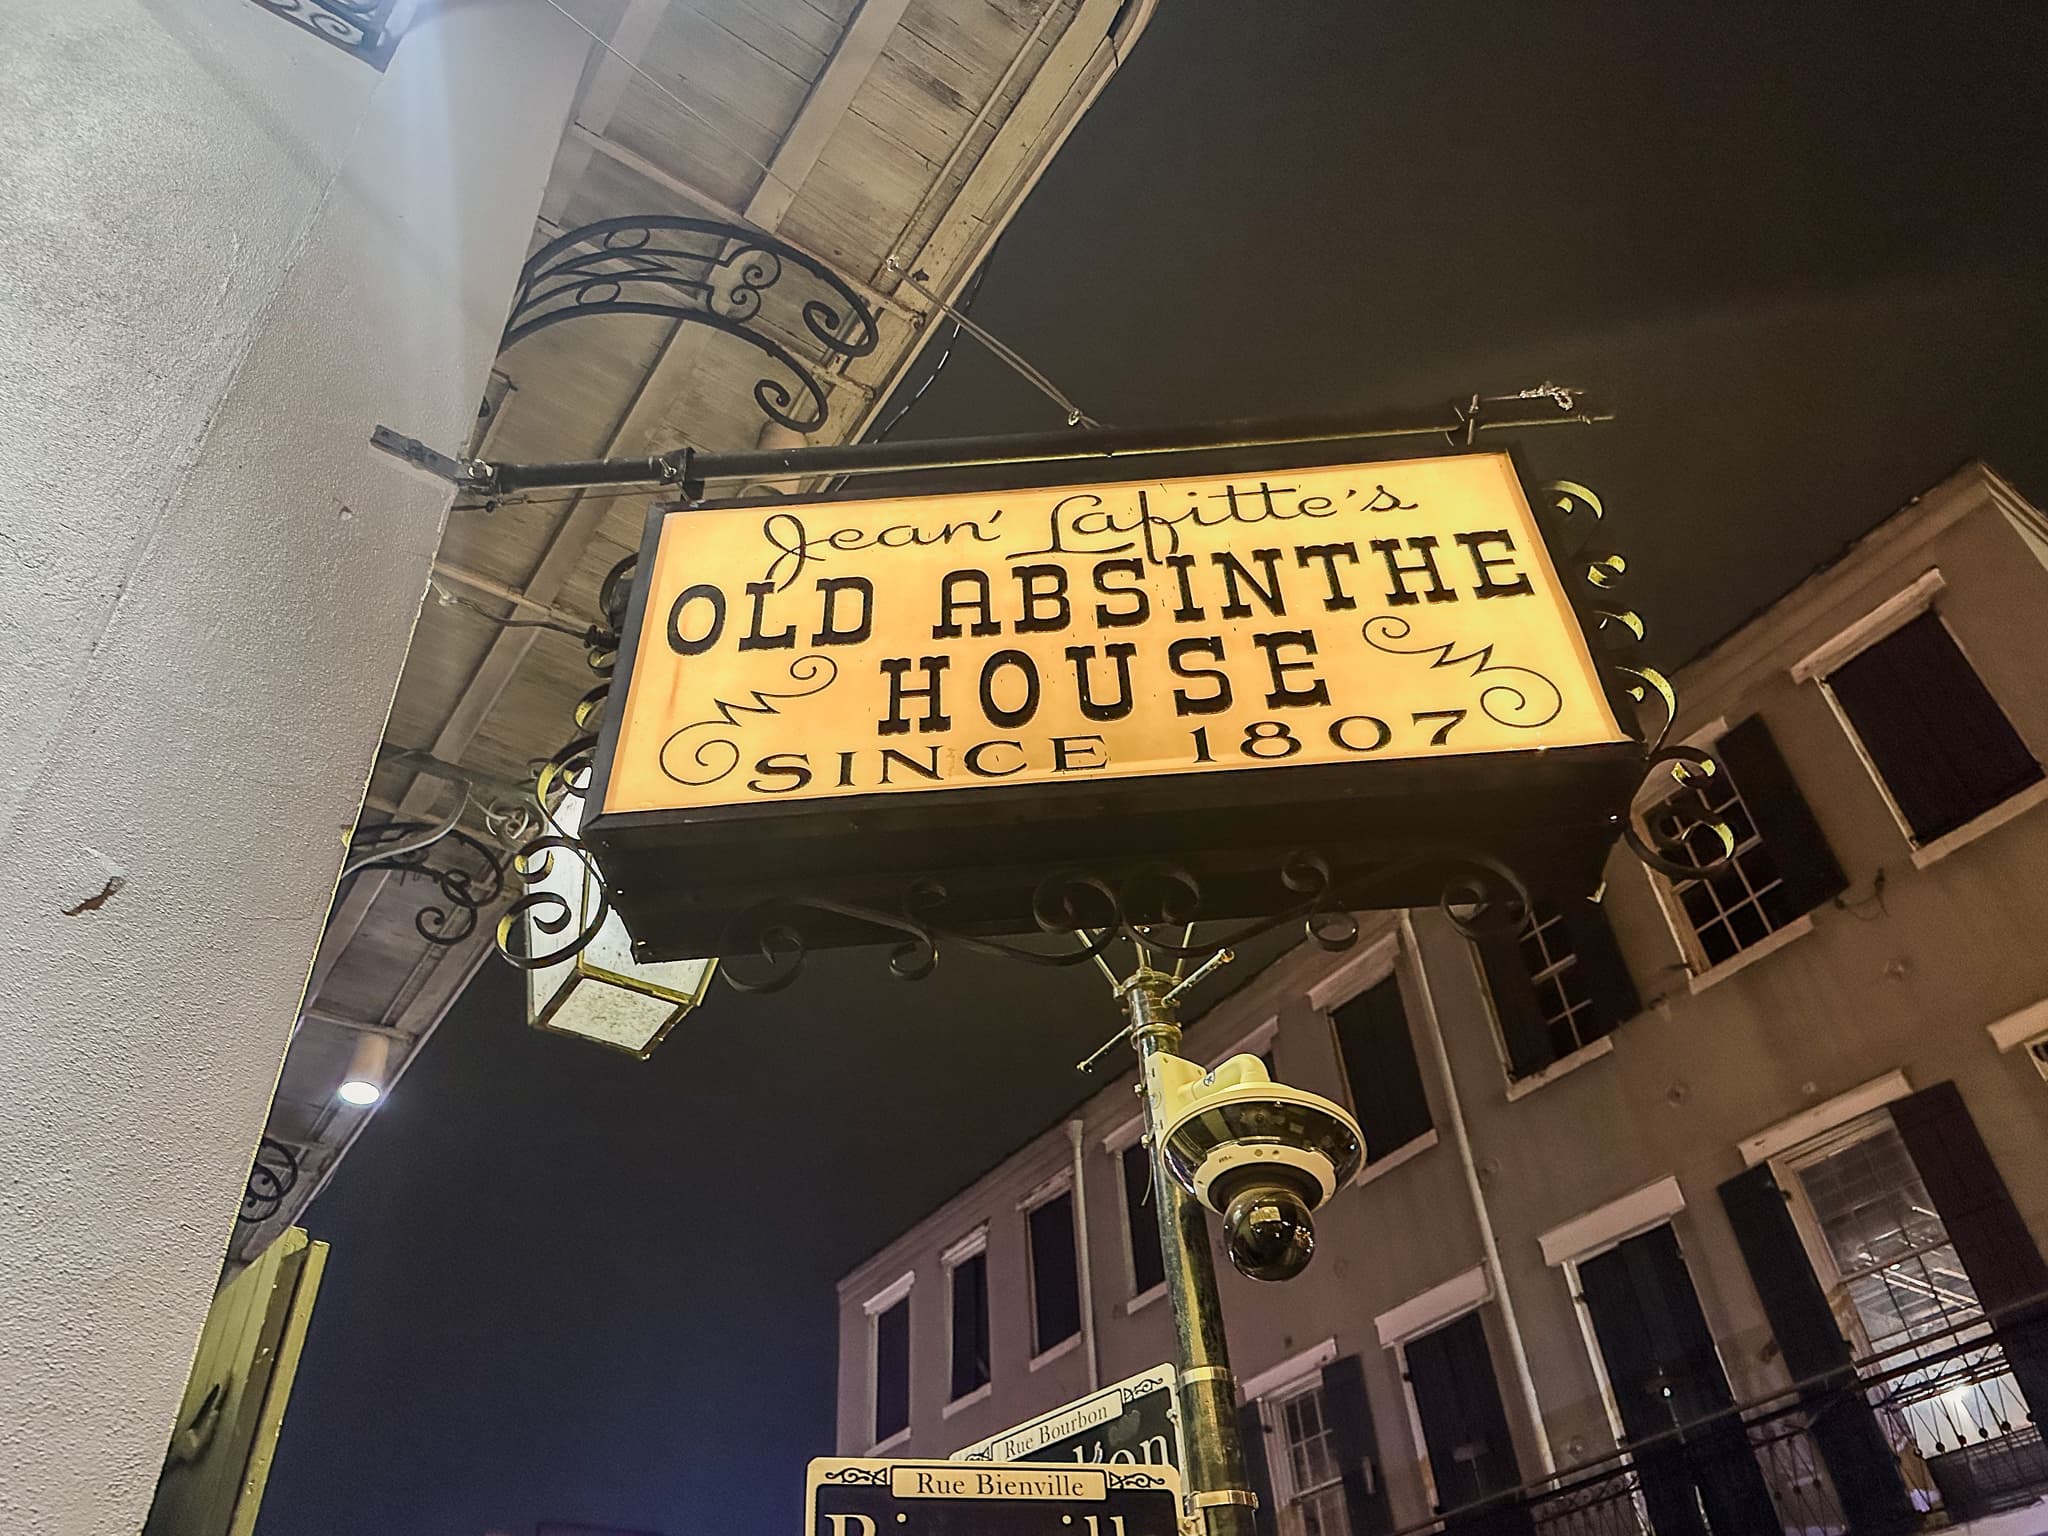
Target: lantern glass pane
602 994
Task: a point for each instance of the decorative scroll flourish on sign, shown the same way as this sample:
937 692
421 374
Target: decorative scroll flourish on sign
1521 697
877 1476
703 752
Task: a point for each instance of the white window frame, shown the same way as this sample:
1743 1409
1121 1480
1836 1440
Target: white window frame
897 1290
1794 1132
2022 1030
1786 1167
973 1244
1881 623
1361 972
1304 1375
1587 1236
1567 1246
1044 1193
1699 973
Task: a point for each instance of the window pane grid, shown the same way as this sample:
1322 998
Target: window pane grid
1744 901
1561 992
1911 1293
1311 1453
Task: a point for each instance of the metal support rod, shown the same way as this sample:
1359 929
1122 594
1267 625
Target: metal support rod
1215 1474
1454 423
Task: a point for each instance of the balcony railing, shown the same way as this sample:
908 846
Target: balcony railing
1951 1413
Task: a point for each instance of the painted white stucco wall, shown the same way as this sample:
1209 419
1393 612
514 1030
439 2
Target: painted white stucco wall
228 251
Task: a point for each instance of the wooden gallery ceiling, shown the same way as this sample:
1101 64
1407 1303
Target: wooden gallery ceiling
873 140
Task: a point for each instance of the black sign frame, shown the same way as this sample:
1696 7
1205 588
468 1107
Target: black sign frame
1376 834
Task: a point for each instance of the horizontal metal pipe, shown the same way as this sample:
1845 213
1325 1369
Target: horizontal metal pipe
1073 444
569 474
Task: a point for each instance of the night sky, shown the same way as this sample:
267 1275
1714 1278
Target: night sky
1799 250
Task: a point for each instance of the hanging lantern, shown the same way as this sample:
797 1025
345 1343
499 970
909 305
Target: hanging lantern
581 977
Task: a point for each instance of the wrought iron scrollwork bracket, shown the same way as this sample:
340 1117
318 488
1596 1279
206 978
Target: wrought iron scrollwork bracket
464 892
786 305
273 1175
1480 894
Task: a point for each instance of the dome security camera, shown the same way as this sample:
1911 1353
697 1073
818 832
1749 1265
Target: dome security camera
1259 1153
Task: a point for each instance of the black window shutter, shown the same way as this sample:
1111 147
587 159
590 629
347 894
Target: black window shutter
970 1324
1943 747
1465 1428
1349 1417
1808 865
1522 1027
1380 1068
1251 1432
1055 1273
1613 989
892 1370
1860 1462
1661 1362
1991 1237
1141 1205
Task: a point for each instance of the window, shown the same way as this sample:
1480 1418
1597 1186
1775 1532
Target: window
1141 1219
1055 1278
1378 1055
1744 901
1890 1252
1558 985
1458 1410
892 1369
1933 734
1308 1480
1663 1373
1782 866
968 1291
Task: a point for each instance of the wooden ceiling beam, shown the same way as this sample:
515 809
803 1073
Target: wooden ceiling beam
610 74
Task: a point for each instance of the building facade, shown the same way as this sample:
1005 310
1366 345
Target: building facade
1716 1206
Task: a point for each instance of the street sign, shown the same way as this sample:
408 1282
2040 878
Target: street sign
842 699
1132 1422
847 1496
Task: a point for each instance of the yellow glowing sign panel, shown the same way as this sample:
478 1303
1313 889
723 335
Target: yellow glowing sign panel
799 651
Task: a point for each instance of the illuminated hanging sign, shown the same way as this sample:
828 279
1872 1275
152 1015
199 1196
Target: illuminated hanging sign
1253 633
1203 625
